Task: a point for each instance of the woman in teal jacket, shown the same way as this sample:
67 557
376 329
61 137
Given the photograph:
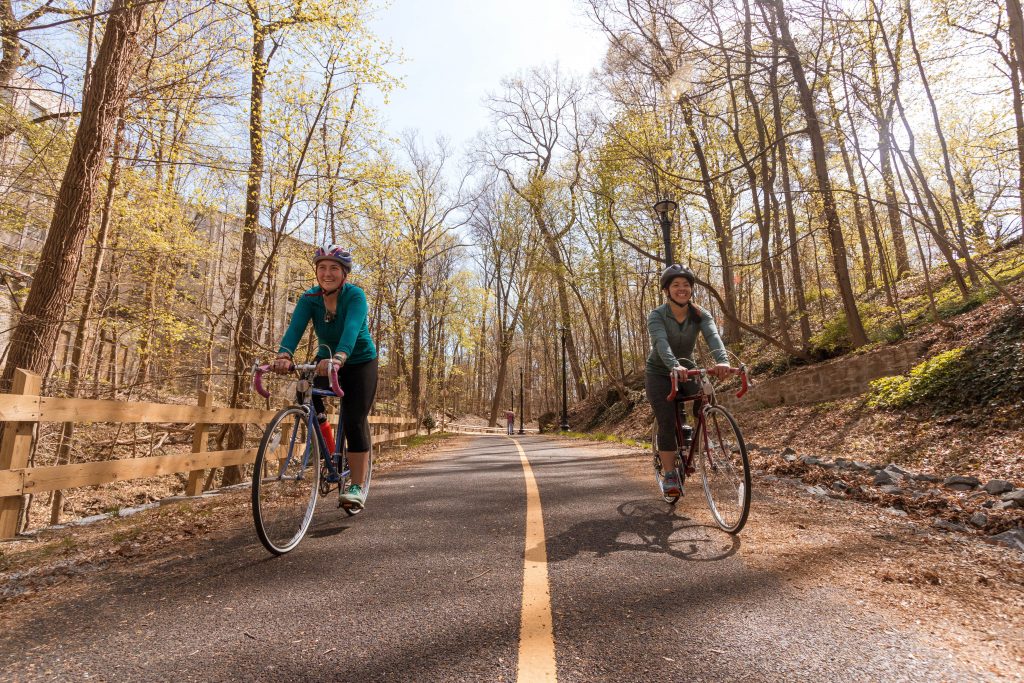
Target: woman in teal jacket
338 311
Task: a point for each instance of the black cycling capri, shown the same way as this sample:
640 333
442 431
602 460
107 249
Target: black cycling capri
658 388
359 382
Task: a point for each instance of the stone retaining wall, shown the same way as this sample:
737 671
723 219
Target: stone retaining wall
840 378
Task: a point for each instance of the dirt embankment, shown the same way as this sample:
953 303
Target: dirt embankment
967 420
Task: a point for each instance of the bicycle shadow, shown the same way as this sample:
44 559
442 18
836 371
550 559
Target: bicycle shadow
330 520
327 530
644 526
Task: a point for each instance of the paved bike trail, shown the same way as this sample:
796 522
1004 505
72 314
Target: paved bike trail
426 586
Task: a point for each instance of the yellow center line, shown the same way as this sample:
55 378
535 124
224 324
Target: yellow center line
536 637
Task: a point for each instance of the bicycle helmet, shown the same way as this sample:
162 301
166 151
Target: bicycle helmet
674 271
334 252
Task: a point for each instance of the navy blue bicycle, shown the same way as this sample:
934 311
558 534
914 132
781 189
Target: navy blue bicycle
294 466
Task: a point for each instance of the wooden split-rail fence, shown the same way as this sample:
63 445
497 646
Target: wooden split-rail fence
480 429
24 408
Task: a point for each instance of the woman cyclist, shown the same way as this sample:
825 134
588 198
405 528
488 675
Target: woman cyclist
673 327
338 311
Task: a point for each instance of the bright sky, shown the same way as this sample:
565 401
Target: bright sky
458 50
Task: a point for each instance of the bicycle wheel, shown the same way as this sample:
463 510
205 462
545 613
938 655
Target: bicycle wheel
658 474
350 511
725 469
285 481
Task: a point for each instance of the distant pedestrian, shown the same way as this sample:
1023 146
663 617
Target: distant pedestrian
510 417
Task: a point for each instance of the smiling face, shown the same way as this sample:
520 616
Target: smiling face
679 291
330 275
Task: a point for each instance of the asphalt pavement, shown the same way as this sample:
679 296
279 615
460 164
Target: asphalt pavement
427 585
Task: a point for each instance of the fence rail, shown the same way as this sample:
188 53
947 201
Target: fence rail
24 408
479 429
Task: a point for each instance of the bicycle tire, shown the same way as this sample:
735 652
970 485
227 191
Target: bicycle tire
658 474
351 511
725 469
285 489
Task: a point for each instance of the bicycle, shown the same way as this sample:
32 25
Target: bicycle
723 461
293 466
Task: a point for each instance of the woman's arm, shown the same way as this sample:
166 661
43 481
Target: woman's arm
659 338
709 329
297 327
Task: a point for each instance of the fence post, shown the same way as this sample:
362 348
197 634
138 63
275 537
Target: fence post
199 441
14 452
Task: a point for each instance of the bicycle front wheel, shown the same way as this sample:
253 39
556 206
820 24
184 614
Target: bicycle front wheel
725 469
285 481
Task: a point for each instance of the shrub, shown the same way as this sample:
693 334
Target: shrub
925 382
547 422
833 339
428 422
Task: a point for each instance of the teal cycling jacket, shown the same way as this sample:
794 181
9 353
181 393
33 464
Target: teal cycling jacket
348 332
672 340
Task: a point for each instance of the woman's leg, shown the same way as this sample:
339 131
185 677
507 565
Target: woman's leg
359 383
657 388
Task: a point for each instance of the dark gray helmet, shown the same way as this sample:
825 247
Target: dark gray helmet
674 271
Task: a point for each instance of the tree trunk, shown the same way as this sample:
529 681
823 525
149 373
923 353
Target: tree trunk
80 346
960 233
244 342
1018 117
837 243
417 330
787 194
33 341
10 43
883 119
723 236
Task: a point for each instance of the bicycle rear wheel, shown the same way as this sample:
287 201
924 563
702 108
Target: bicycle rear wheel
658 474
285 481
725 469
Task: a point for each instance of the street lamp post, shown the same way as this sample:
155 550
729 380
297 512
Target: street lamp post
565 394
521 430
664 209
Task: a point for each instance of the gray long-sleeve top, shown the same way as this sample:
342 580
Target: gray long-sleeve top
672 340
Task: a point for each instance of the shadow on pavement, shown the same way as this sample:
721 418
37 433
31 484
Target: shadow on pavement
644 526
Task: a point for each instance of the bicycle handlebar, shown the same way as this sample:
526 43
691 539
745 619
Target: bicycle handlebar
741 371
332 375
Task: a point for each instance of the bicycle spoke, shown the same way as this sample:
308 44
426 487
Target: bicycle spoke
725 470
284 494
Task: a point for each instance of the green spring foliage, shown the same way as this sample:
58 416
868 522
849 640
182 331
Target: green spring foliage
989 372
925 380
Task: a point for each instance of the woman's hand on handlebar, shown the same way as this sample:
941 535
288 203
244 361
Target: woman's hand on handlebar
721 371
322 366
282 365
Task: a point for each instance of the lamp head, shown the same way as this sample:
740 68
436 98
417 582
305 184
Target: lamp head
664 208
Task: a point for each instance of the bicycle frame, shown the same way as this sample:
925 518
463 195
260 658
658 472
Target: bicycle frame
304 398
705 399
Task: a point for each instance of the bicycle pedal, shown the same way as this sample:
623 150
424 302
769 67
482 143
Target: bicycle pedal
333 478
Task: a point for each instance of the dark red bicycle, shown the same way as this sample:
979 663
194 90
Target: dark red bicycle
717 449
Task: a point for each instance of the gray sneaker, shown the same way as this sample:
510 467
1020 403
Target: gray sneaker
354 497
670 485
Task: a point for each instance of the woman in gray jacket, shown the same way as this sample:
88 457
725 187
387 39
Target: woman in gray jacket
673 327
